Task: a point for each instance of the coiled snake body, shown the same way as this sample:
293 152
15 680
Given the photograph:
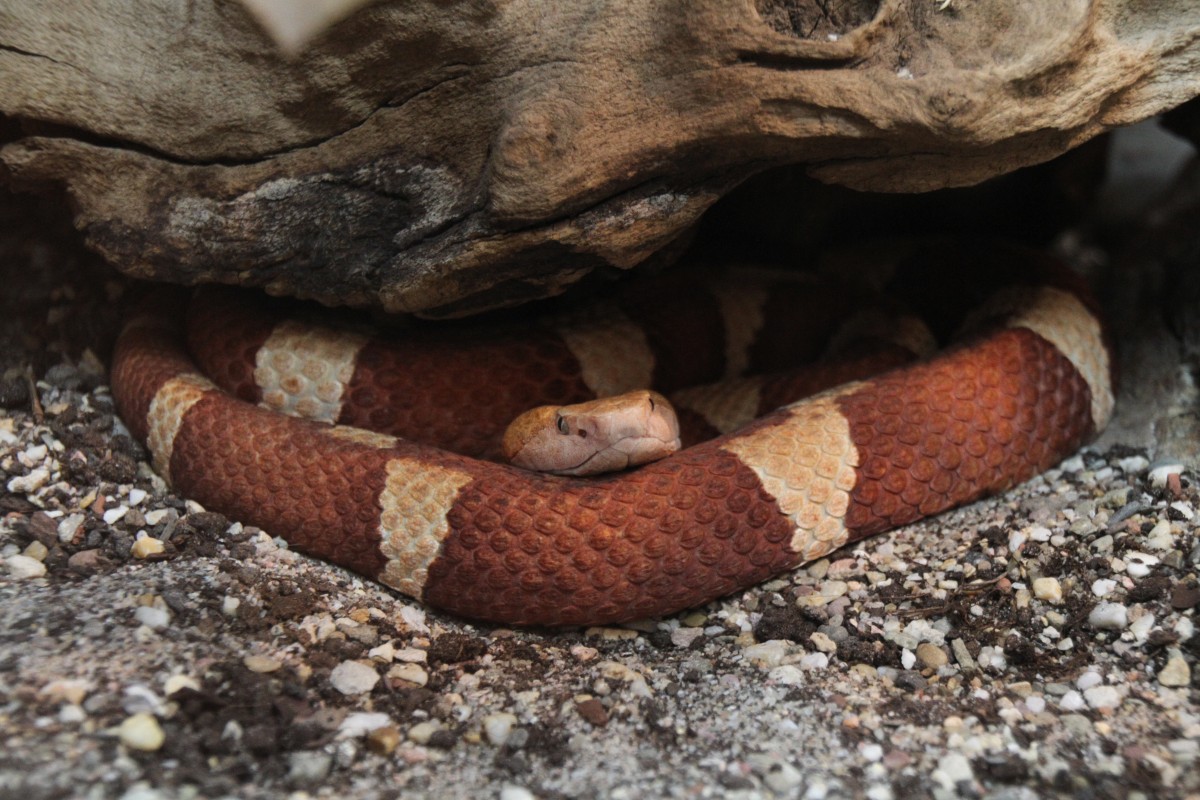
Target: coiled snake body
1026 384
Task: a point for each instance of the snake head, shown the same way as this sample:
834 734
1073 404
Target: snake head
605 435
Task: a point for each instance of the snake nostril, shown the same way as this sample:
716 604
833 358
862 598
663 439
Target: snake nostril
582 434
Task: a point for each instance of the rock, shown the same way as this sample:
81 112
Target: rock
152 617
1109 617
1175 672
308 767
147 546
1047 589
422 732
22 567
498 727
261 664
932 656
353 677
417 187
141 732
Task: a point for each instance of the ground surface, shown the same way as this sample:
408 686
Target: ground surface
1037 644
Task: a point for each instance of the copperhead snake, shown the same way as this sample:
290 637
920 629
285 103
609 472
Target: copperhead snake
1027 383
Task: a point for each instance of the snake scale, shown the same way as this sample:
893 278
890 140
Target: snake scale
1026 380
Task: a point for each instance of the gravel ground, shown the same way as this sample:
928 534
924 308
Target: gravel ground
1039 644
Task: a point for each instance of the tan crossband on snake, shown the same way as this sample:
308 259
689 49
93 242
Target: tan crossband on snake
1024 381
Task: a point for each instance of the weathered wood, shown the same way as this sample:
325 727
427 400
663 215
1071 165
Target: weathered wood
446 157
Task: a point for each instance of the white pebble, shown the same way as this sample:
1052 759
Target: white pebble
953 769
1184 509
68 526
153 618
814 661
22 567
353 677
1072 701
34 455
1039 534
1103 587
409 673
1159 474
1015 540
1138 565
1160 536
136 496
871 751
1109 617
767 654
787 675
907 658
783 778
1048 589
422 732
141 732
363 722
1141 627
1099 697
1133 464
114 514
498 727
1072 464
516 793
1036 704
27 484
1087 680
683 637
992 658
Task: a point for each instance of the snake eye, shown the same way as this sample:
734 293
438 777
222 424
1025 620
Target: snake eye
562 426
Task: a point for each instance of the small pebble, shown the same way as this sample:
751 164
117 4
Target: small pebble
115 514
1101 697
593 711
141 732
1072 701
152 617
1087 680
1158 474
930 655
22 567
498 727
409 673
1175 672
36 550
261 664
353 677
422 732
383 740
307 767
787 675
1047 589
1103 587
28 484
147 546
516 793
1109 617
1185 596
954 769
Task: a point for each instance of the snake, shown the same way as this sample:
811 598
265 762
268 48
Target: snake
311 432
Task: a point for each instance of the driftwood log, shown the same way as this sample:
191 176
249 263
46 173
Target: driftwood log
448 157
